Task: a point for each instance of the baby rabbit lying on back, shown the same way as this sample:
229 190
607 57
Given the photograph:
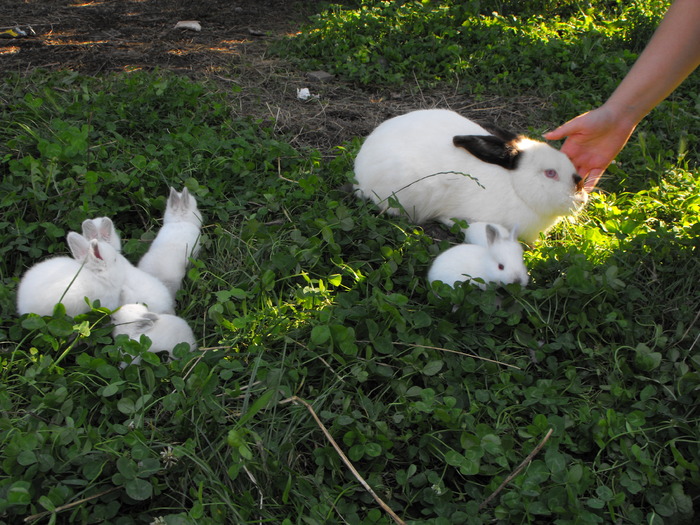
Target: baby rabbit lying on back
421 159
164 330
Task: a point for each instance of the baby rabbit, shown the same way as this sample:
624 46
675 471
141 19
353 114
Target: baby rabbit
500 261
427 161
96 271
165 331
177 240
139 286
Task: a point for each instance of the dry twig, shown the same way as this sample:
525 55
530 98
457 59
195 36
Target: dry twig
387 509
517 470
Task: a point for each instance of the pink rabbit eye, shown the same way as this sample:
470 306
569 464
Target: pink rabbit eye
500 266
551 174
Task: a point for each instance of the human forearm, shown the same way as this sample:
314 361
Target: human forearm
671 55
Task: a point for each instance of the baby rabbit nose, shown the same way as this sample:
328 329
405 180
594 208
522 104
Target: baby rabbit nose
577 179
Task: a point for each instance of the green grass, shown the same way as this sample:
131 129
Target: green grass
300 290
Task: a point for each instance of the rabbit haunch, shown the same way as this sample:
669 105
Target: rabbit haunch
139 286
441 166
164 330
177 240
96 271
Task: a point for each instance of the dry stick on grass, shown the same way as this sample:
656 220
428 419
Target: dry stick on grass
387 509
460 353
35 517
517 470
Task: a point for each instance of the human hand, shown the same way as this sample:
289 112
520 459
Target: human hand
593 140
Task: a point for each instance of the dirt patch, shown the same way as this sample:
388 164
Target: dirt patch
102 37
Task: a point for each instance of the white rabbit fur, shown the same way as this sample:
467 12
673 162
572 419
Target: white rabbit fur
139 286
177 240
500 261
102 229
420 158
96 271
164 330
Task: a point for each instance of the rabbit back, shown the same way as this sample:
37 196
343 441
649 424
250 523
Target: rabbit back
430 161
142 287
52 281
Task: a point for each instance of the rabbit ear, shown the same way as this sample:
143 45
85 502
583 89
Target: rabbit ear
185 199
79 246
492 234
173 199
491 149
106 229
89 229
143 324
514 233
505 135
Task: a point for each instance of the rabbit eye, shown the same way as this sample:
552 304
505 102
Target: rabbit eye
500 266
551 174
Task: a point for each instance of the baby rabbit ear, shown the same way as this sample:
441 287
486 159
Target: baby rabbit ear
490 149
90 229
174 197
106 229
492 234
514 232
79 246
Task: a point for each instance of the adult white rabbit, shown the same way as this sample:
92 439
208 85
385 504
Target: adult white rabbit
165 331
422 159
500 261
102 229
177 240
139 286
96 271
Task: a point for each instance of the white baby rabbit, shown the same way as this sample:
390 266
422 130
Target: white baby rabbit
500 261
139 286
177 240
165 331
102 229
421 159
96 271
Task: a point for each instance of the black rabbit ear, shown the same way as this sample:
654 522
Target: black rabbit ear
503 134
491 149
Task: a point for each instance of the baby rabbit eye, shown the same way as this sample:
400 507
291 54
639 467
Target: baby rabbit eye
551 174
500 266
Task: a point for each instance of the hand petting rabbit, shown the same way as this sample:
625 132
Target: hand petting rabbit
499 260
96 271
165 331
441 166
139 286
176 242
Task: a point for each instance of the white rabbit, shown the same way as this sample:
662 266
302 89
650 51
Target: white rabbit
499 261
96 271
165 331
102 229
177 240
139 286
422 158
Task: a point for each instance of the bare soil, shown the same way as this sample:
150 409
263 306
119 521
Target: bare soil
112 36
